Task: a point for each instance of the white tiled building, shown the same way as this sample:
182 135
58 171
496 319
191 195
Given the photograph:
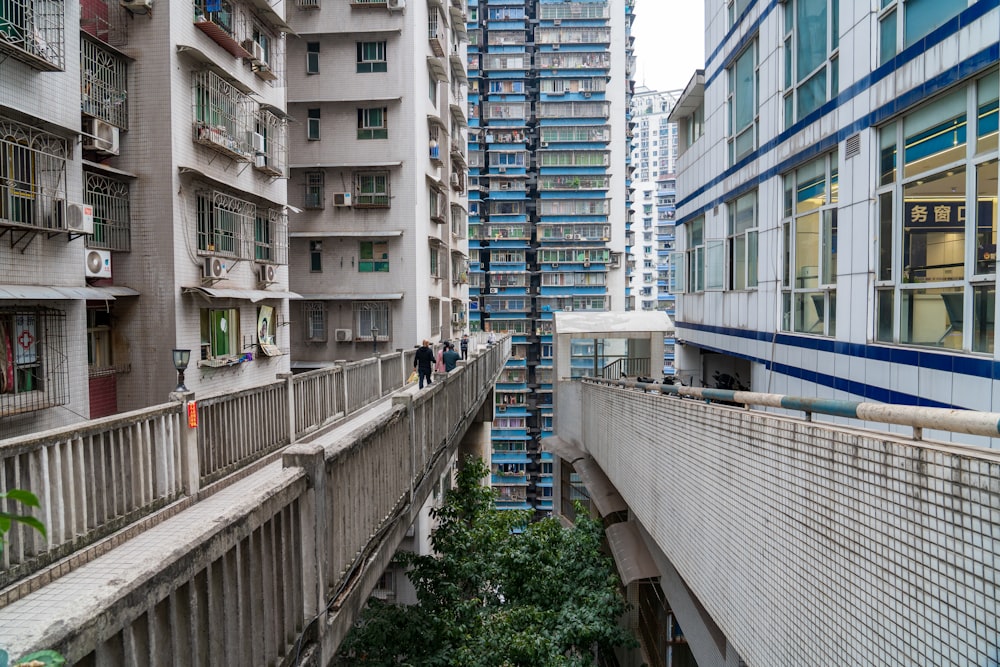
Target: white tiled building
142 203
837 201
378 167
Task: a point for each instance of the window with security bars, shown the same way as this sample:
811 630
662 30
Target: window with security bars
314 318
315 187
109 198
371 189
224 116
372 316
223 221
32 178
103 84
33 359
32 32
271 236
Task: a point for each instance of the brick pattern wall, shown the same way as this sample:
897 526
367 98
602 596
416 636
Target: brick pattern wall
810 544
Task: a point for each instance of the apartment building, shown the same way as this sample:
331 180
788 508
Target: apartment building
837 201
548 88
379 172
142 200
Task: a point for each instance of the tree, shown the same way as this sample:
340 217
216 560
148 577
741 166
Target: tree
498 592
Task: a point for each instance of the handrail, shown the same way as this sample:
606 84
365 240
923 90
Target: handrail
971 422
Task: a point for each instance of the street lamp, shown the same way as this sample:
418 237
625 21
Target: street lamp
181 360
375 340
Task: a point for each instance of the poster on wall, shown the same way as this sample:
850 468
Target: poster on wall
266 327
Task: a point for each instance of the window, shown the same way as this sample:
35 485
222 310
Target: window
902 24
742 103
271 236
32 177
312 57
33 345
35 30
316 256
369 315
112 217
315 186
372 123
696 255
809 275
371 57
222 221
812 30
735 9
937 231
314 317
220 333
435 262
371 189
312 125
374 257
742 242
99 348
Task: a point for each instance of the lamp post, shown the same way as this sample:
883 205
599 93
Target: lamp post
181 360
375 340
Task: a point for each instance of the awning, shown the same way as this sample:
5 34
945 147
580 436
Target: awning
253 295
215 182
631 555
393 296
604 495
110 170
344 234
347 165
44 292
197 54
271 16
562 449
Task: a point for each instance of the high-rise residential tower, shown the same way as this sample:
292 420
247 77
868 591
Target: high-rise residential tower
378 167
548 95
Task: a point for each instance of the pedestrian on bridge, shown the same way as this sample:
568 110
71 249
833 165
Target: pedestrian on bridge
423 362
450 357
464 345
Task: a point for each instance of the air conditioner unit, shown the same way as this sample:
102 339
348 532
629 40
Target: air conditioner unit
342 335
586 95
586 264
256 141
100 136
494 290
342 199
554 265
265 274
258 53
556 21
80 218
454 180
543 144
260 161
457 318
502 170
97 263
555 47
214 268
501 408
568 309
137 6
395 5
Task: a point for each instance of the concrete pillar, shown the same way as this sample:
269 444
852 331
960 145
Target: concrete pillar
290 393
190 469
406 400
312 459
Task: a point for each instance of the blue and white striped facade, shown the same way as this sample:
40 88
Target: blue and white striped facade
839 230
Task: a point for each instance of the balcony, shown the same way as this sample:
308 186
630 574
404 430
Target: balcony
223 25
32 31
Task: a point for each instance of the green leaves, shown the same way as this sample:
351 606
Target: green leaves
7 520
46 658
499 592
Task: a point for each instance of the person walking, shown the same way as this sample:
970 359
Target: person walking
464 345
423 362
439 360
491 339
450 358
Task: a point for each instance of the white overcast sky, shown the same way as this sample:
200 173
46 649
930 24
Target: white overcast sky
669 42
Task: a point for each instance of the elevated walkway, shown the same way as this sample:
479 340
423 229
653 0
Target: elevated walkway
270 562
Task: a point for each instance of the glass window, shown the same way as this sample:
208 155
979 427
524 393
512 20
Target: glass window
312 57
810 253
372 123
220 333
371 57
312 125
918 17
374 257
371 189
696 255
811 41
372 316
742 242
33 346
743 89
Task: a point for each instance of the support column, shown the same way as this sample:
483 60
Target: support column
190 468
313 526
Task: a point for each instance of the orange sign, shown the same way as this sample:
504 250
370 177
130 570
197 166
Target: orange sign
192 414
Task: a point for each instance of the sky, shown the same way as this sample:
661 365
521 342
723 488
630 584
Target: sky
669 42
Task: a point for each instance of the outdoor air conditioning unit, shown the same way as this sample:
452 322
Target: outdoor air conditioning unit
137 6
265 274
554 265
100 136
258 53
543 144
342 199
80 218
256 141
395 5
501 408
494 290
97 263
454 180
586 263
586 95
502 170
555 47
342 335
214 268
556 21
260 161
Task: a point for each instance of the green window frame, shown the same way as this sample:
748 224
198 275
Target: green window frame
372 123
371 189
373 257
220 333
